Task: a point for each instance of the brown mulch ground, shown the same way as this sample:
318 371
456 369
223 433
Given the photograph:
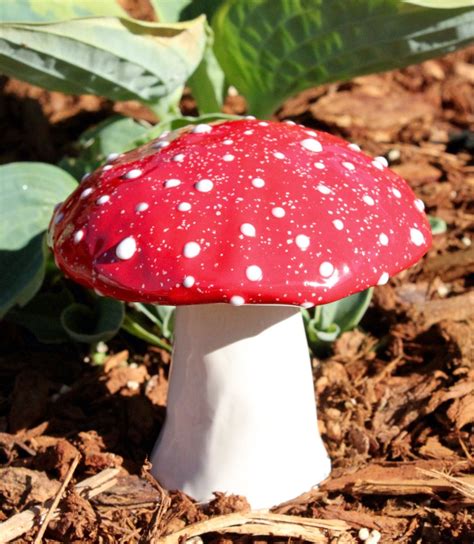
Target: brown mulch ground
396 399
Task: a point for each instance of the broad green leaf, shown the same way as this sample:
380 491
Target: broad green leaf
347 312
56 10
174 123
21 273
443 4
272 49
208 81
172 11
28 193
118 58
114 135
42 316
84 324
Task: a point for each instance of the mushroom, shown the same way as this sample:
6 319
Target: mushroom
238 224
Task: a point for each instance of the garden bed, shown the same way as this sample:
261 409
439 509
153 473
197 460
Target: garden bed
396 398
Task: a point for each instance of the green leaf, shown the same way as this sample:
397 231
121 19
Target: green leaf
29 190
42 316
114 135
208 81
171 11
443 4
29 193
137 329
272 49
84 324
347 312
438 225
56 10
21 273
119 58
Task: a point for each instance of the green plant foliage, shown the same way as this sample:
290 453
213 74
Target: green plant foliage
272 49
151 323
326 322
56 10
42 316
91 325
114 135
119 58
29 193
438 225
442 4
173 11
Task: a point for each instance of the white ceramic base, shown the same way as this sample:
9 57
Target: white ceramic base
241 414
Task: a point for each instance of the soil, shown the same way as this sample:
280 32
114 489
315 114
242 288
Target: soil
395 398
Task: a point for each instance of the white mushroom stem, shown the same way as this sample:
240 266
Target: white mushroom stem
241 414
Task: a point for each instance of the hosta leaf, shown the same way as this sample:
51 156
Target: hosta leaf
42 316
29 192
346 313
56 10
272 49
91 325
118 58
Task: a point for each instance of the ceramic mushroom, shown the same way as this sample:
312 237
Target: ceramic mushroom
239 224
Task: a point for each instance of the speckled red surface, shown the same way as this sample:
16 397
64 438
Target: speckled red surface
242 212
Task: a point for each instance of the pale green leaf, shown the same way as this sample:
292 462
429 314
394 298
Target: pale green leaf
272 49
443 4
118 58
92 325
56 10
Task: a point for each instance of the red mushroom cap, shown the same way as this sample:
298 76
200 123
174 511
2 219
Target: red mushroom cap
242 212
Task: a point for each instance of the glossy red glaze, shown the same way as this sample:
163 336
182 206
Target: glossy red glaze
241 211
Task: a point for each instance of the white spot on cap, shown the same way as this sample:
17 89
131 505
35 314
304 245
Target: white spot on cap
204 185
382 160
228 157
184 206
102 199
420 204
302 241
247 229
170 183
348 166
278 155
237 300
160 145
248 132
383 239
85 176
112 156
368 200
417 237
319 165
86 192
378 164
126 248
396 192
189 281
312 145
258 183
191 250
107 167
254 273
201 128
263 124
326 269
141 207
133 174
323 189
289 122
228 142
307 304
178 158
278 212
78 236
383 279
338 224
354 147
